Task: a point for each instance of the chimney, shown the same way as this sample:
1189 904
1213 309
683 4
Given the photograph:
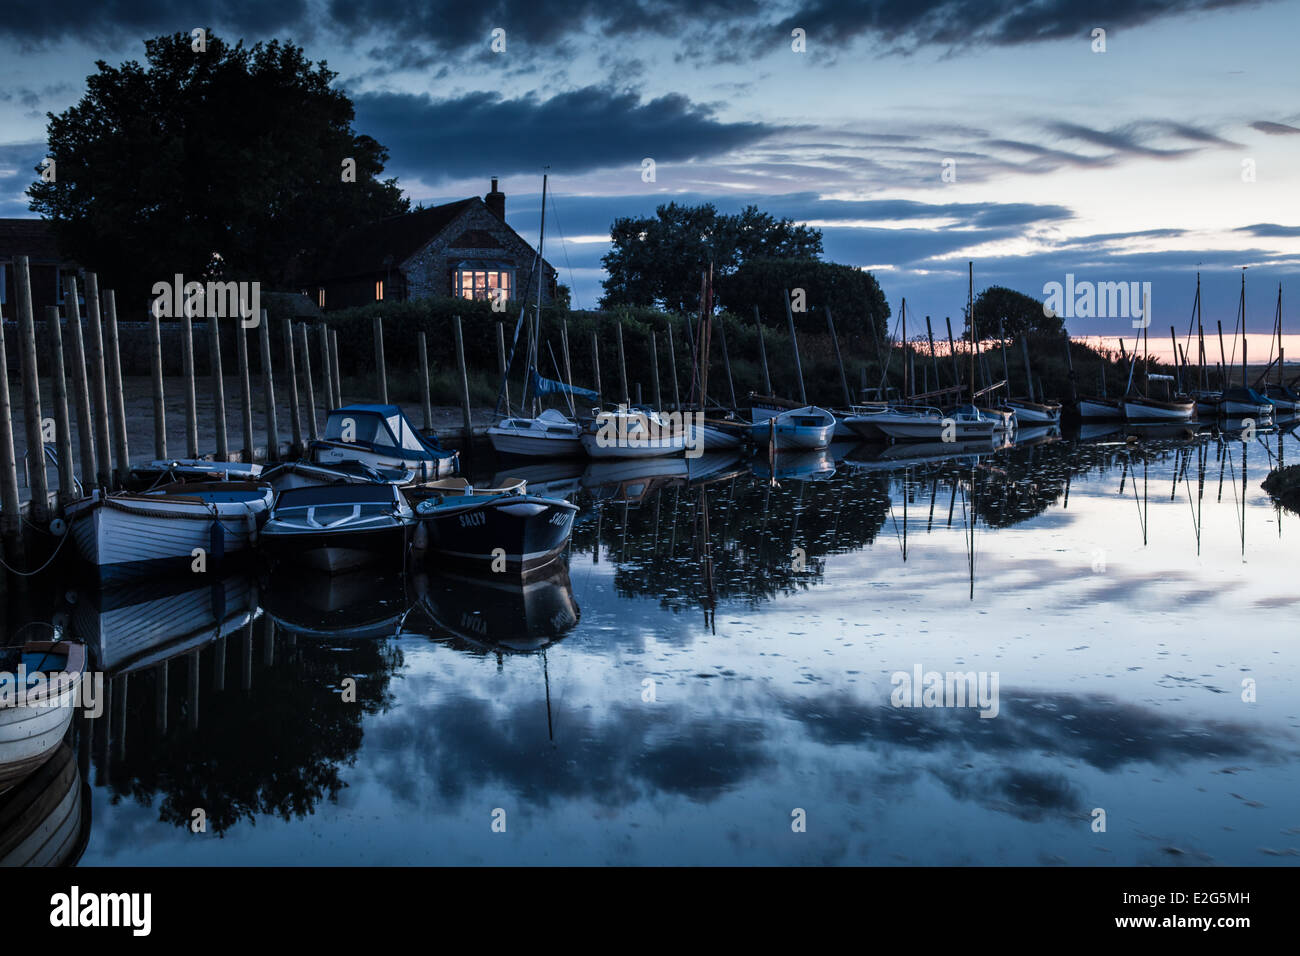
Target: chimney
496 201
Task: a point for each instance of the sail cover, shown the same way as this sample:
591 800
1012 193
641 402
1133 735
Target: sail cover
548 386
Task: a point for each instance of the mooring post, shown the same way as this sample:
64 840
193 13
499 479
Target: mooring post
381 373
62 427
426 401
595 366
191 398
762 353
10 515
464 381
156 375
245 389
116 394
291 372
654 370
309 390
104 421
268 389
794 344
672 364
218 389
338 373
36 477
80 387
501 363
326 368
622 364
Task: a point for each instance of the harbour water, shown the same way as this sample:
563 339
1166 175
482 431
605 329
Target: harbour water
710 677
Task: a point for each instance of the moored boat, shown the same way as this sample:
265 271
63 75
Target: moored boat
1237 402
926 423
637 433
337 527
807 429
40 689
1140 408
381 436
1095 409
549 435
309 474
1034 413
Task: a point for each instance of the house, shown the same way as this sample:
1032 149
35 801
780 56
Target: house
462 248
33 238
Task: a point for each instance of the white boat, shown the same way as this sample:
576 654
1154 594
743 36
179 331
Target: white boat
1240 402
808 428
1034 413
926 423
176 469
1138 408
308 474
633 433
1094 409
35 715
125 530
338 527
862 421
381 436
719 435
549 435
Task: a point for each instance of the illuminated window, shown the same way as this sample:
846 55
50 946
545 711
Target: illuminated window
379 290
481 280
320 297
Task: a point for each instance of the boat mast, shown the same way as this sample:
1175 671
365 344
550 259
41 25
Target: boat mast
970 313
1279 335
906 392
1244 383
541 274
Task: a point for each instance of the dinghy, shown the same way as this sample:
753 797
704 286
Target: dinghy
195 469
1035 413
926 423
126 532
636 433
36 713
381 436
337 527
483 526
1095 409
549 435
806 429
307 474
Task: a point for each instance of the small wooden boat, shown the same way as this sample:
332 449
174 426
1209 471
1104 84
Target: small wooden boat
337 527
45 818
196 469
1095 409
36 713
549 435
129 531
808 429
1285 400
1240 402
636 433
381 436
482 526
926 423
1140 408
308 474
1034 413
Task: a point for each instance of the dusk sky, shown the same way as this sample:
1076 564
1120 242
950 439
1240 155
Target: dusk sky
1124 165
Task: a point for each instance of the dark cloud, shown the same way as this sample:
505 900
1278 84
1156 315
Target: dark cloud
484 133
98 19
1269 230
1275 129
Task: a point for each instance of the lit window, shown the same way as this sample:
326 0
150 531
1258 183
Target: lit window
482 280
379 290
320 297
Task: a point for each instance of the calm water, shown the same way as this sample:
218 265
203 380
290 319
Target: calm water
718 654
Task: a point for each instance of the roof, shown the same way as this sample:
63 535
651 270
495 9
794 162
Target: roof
33 238
366 249
386 410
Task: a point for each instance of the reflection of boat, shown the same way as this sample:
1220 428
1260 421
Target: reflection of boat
558 479
336 527
498 615
353 604
631 481
35 714
713 465
486 525
549 435
893 457
45 819
135 627
126 530
807 428
383 437
1095 431
1161 429
304 474
797 466
1036 434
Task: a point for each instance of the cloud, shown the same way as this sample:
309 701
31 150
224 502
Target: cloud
100 19
1269 230
1275 129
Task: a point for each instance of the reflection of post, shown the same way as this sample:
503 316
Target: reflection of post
160 698
192 697
246 658
219 663
268 641
119 716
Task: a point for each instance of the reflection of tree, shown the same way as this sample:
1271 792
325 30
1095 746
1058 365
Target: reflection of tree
275 747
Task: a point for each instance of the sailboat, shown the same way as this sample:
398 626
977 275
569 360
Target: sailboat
1242 401
1145 408
1027 411
1284 399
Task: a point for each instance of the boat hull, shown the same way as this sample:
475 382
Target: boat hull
338 550
1033 413
634 447
526 531
510 442
1100 410
326 452
1146 410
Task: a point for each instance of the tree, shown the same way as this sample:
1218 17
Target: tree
658 260
1020 314
223 163
853 295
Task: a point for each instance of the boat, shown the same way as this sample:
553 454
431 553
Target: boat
1034 413
381 436
807 429
636 433
36 713
927 423
1284 399
1238 402
714 434
308 474
45 817
501 528
201 469
1095 409
125 532
337 527
861 422
550 435
1172 408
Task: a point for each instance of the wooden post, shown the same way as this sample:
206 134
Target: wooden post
381 373
326 368
156 374
726 362
291 372
191 399
501 363
762 353
245 388
934 356
80 387
10 515
595 366
425 401
654 369
309 390
464 381
98 387
36 478
794 342
622 364
952 351
839 360
334 358
268 389
672 363
116 397
62 427
218 389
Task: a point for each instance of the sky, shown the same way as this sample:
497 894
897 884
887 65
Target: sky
916 135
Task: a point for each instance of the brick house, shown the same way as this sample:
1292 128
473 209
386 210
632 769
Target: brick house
463 248
33 238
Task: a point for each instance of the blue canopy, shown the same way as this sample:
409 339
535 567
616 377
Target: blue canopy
548 386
